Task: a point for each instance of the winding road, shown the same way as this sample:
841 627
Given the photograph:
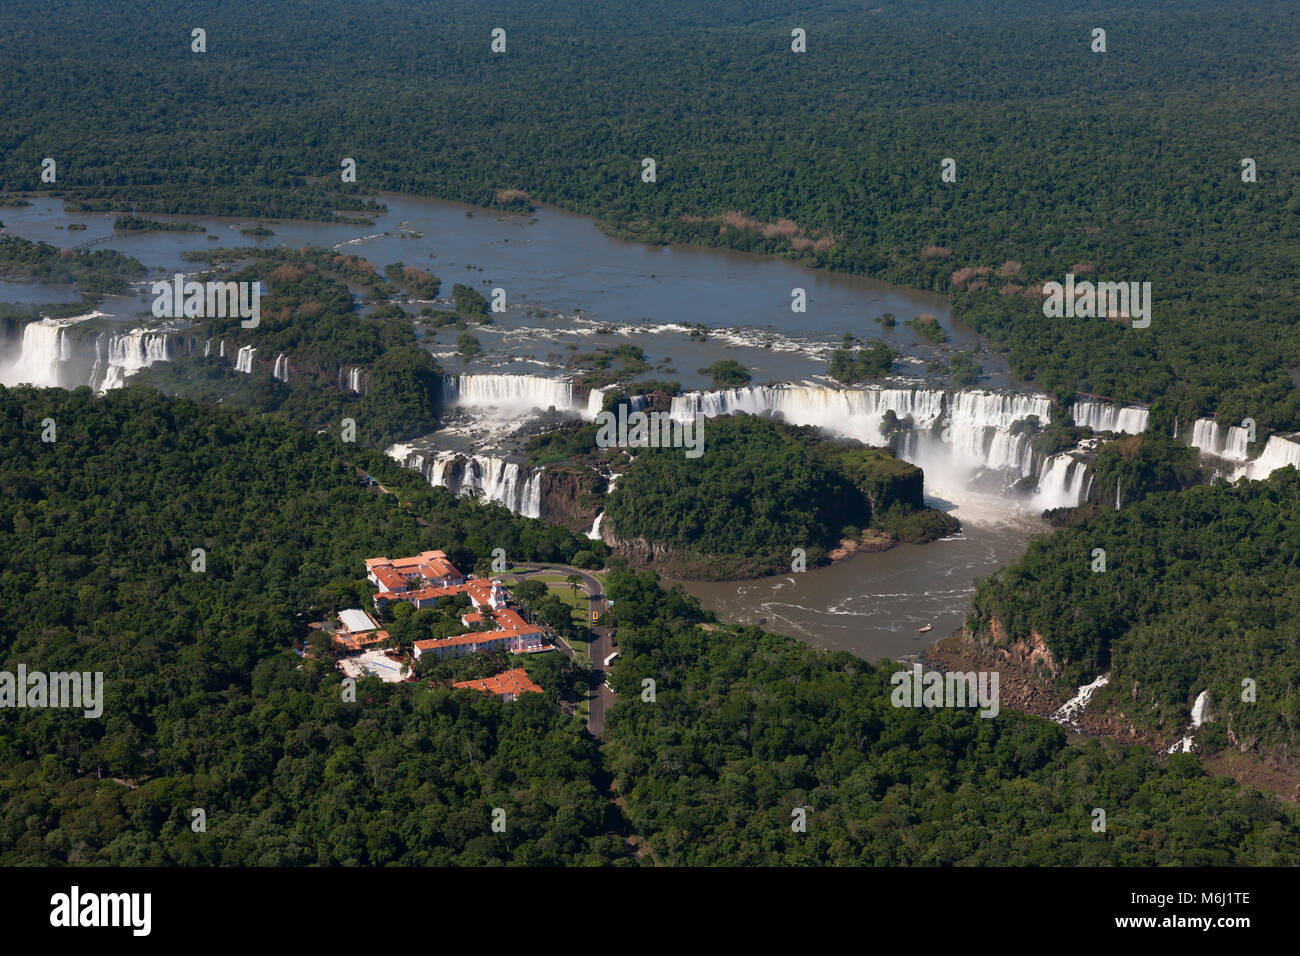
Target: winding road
601 646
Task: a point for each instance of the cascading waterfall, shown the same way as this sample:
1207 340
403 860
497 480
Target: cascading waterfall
1104 417
45 350
1281 450
514 394
955 437
119 354
1068 713
244 361
55 353
1237 445
854 413
594 533
1063 482
504 482
281 368
1208 437
1200 716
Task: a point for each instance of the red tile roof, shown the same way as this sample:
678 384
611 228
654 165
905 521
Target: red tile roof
511 682
429 565
476 637
389 580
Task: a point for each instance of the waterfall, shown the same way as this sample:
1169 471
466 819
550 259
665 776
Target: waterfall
50 357
281 368
244 361
1206 436
594 533
119 354
854 413
207 348
1067 714
1201 709
1060 483
1117 493
1200 714
1237 445
1102 417
1281 450
958 438
515 394
504 482
349 378
45 349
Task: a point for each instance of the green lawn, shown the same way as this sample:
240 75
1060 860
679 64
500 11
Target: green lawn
560 588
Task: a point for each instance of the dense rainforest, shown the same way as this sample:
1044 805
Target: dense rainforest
1178 594
207 707
746 727
1124 165
205 703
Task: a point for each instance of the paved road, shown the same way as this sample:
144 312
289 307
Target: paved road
602 645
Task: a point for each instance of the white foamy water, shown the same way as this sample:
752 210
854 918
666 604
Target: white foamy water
50 356
957 438
1231 443
1280 451
1068 713
496 479
1200 714
1104 417
512 395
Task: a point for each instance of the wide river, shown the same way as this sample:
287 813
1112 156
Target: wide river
572 289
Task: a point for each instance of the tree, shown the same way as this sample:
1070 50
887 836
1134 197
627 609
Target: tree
727 373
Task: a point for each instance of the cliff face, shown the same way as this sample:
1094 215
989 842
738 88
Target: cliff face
1032 652
887 488
884 480
637 551
571 497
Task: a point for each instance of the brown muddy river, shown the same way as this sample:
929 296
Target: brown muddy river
873 604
